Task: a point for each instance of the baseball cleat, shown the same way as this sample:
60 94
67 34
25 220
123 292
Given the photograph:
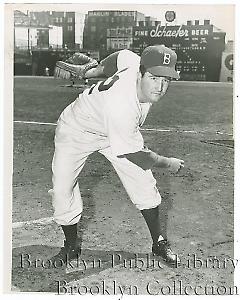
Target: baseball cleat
66 254
163 251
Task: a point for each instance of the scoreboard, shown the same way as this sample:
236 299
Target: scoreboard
199 47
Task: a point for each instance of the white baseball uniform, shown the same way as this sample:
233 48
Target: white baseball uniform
106 118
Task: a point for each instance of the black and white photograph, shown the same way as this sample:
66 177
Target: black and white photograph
119 169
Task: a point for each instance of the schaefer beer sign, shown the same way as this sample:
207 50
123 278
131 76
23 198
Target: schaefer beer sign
171 31
165 31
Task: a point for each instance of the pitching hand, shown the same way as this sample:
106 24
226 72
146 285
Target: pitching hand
175 164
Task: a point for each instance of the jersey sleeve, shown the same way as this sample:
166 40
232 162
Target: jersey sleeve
120 60
123 131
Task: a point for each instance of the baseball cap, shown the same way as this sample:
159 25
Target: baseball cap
160 61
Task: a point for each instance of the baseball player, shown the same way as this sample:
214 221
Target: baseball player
107 118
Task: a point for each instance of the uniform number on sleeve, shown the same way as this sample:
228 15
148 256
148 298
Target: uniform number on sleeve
105 85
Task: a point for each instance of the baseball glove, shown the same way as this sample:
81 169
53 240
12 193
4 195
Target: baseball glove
75 66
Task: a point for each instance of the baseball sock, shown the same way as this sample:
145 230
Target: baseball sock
152 219
70 232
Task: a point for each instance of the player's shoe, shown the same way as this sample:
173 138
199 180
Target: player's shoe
66 254
164 251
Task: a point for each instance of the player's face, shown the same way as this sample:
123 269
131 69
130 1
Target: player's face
151 88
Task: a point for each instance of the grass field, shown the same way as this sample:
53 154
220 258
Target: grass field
197 203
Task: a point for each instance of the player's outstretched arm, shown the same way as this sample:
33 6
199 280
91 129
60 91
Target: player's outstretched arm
81 66
146 159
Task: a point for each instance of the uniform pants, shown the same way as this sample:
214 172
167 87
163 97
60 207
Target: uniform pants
72 149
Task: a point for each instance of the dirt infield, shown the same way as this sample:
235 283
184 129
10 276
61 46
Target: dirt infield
197 204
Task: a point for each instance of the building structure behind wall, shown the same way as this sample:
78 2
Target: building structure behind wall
110 30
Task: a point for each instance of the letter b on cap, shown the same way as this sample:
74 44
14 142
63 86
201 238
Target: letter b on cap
166 59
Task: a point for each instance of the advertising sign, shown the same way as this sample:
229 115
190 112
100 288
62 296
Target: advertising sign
173 31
